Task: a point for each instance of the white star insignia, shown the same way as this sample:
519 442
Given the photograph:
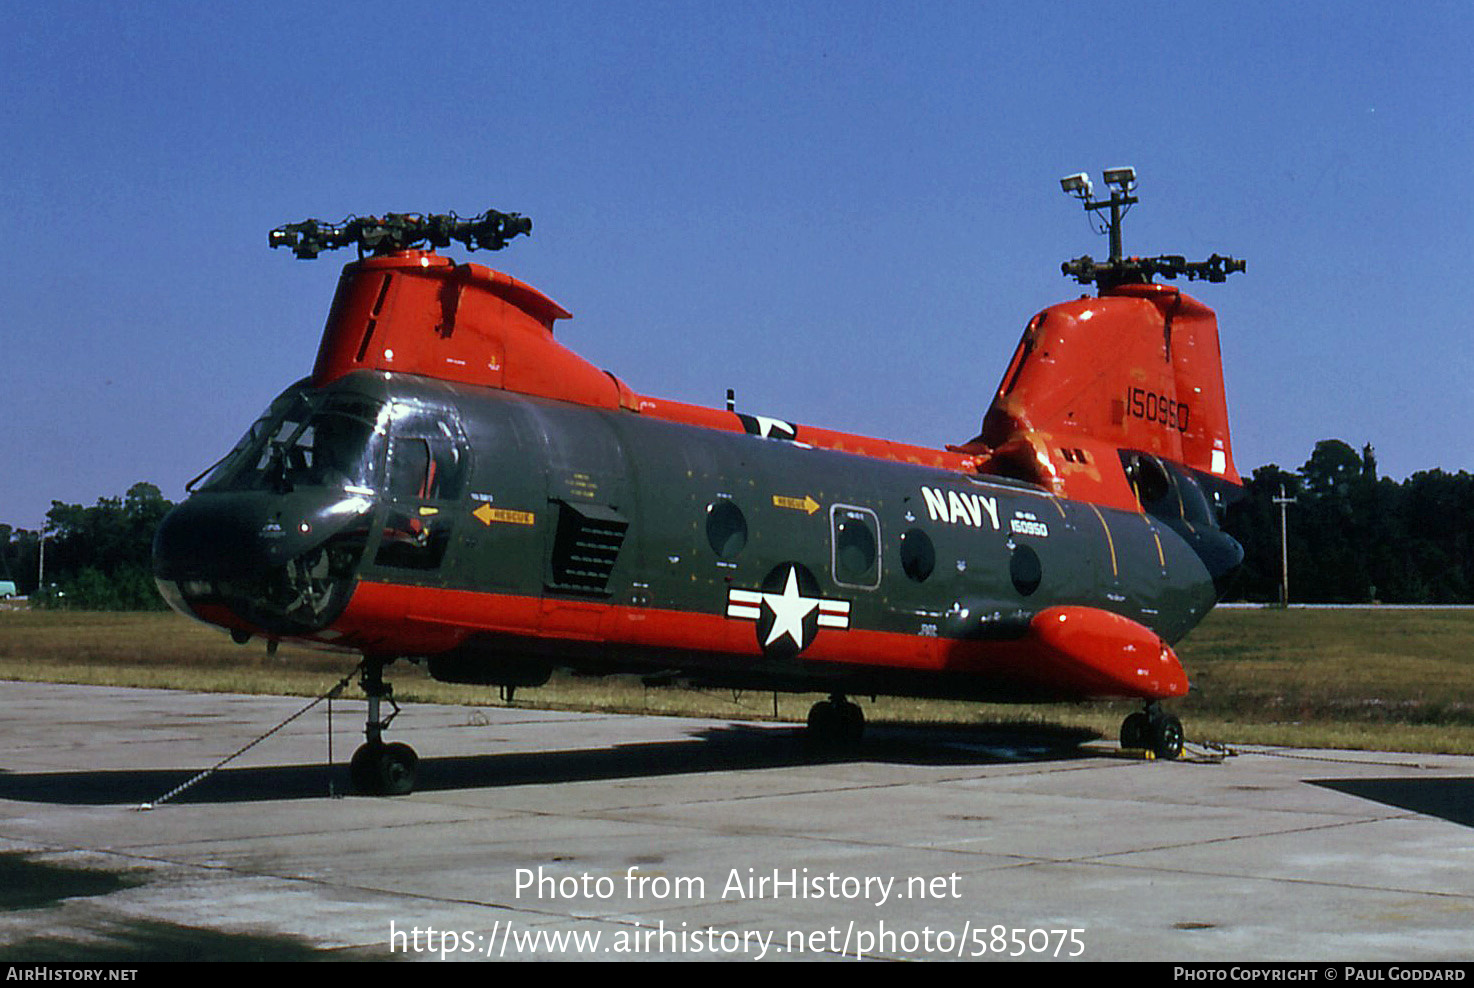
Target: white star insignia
774 427
789 610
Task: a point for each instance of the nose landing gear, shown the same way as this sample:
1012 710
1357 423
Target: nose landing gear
1155 730
379 769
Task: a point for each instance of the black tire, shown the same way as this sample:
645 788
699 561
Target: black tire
1167 737
379 769
825 725
397 769
835 724
1136 731
363 770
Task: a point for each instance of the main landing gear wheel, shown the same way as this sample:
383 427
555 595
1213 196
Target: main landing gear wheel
1135 730
1167 737
1153 729
380 769
835 722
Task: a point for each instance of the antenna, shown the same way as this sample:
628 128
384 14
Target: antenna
401 231
1119 269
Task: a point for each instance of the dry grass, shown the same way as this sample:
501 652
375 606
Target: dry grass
1385 679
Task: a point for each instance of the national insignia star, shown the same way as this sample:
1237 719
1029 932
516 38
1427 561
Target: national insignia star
789 610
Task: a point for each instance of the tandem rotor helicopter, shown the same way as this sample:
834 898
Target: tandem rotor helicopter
452 486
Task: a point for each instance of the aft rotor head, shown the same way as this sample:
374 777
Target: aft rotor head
393 232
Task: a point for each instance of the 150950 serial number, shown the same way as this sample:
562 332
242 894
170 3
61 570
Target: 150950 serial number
1152 407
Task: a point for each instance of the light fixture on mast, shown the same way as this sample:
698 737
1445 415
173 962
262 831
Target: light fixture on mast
1124 180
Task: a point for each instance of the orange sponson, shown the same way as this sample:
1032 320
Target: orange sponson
1071 652
1111 655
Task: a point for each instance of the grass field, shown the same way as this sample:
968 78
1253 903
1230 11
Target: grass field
1390 679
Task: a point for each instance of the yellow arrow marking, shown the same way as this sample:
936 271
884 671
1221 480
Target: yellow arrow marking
486 514
805 503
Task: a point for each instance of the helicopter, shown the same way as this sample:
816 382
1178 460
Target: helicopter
452 486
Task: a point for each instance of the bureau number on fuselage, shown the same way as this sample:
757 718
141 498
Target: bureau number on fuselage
1150 407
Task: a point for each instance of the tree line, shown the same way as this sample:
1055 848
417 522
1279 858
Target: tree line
96 559
1353 537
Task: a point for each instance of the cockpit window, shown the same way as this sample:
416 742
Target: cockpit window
426 462
308 441
425 469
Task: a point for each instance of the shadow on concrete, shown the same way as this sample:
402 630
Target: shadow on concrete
26 883
728 748
35 884
153 940
1448 799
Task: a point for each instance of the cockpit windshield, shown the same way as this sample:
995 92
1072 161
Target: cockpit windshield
307 440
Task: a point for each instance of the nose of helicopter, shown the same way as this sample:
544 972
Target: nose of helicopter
215 536
277 564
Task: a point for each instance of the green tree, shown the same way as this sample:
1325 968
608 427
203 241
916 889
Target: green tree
100 557
1438 522
1338 491
1254 520
1356 537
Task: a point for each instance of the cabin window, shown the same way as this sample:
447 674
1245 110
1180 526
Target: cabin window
856 533
1021 355
414 539
918 555
726 528
1147 476
1025 570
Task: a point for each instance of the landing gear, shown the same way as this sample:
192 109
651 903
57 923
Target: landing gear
835 722
1155 730
380 769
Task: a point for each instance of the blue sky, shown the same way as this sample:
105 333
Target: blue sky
845 211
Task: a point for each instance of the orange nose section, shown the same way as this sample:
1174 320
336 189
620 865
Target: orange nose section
1118 656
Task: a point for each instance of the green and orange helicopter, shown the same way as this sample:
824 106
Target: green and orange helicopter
452 486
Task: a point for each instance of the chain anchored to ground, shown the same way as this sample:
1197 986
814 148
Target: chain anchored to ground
202 776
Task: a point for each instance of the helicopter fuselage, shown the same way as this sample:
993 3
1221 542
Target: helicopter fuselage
502 535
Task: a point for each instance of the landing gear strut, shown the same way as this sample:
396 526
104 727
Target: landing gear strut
380 769
1153 729
835 722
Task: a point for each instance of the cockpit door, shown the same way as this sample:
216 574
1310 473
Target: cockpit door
427 472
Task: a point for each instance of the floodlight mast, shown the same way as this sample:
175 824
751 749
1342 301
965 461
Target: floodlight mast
1124 180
